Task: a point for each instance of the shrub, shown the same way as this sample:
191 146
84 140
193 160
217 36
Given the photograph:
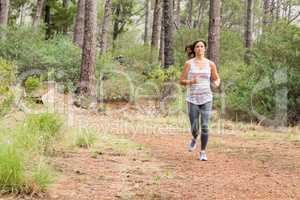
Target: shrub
42 176
32 83
42 128
274 60
278 51
58 58
116 81
237 89
85 137
7 77
23 167
11 166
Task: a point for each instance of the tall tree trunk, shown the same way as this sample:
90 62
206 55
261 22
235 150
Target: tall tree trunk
116 28
156 29
201 8
248 30
4 8
168 33
284 8
88 64
48 21
177 13
214 31
65 25
38 14
21 15
162 38
189 20
105 27
79 24
147 20
278 6
289 14
273 10
266 13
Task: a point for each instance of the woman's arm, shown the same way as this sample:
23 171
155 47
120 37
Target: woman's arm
184 74
214 74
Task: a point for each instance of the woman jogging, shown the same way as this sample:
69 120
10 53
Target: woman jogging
197 74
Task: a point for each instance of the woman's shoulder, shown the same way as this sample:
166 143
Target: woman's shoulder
210 62
189 62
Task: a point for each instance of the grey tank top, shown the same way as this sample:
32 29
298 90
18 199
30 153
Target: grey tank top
199 93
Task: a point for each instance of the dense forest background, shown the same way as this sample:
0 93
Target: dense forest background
134 49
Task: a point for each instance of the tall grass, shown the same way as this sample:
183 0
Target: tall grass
41 130
23 149
85 137
11 167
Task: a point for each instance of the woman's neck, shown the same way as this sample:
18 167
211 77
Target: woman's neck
199 57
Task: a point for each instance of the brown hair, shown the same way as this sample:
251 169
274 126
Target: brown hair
190 49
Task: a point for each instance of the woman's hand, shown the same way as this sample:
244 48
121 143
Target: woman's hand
214 75
216 83
194 80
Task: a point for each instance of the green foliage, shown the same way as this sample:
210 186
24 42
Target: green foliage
86 137
58 58
62 15
232 13
237 88
32 83
160 75
135 56
232 47
39 132
119 76
274 54
122 12
44 128
42 176
278 51
23 167
7 77
11 166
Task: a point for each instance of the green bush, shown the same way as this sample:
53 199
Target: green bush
42 176
134 58
11 166
279 50
85 137
7 77
32 83
238 80
275 53
58 58
231 47
116 81
44 129
23 167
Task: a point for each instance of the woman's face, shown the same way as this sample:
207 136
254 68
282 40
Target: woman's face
199 48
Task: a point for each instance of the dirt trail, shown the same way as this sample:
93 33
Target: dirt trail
164 169
237 169
223 176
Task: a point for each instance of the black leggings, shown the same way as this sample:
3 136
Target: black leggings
204 111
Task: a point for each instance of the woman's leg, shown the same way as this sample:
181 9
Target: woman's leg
194 119
205 111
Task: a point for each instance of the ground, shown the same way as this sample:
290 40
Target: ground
143 155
